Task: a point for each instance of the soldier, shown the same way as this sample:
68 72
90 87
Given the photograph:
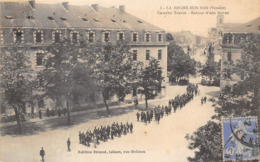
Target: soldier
205 99
40 114
42 153
48 112
68 144
138 116
131 127
59 112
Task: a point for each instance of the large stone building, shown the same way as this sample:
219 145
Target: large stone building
232 36
39 25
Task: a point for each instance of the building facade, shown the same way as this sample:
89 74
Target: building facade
232 37
39 25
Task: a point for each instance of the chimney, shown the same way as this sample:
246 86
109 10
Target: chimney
65 5
32 3
95 7
122 9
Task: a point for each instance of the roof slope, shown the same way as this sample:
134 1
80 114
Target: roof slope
15 14
249 27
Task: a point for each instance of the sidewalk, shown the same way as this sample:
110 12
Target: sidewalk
85 111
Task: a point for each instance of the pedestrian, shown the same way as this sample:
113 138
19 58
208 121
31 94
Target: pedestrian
40 114
42 153
68 144
202 101
205 99
138 116
59 112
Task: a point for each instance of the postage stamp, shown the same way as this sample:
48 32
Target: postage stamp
240 138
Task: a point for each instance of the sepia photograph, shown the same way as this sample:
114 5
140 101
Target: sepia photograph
129 80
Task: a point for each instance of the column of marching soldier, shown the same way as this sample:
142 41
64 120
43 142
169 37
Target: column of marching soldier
177 102
103 133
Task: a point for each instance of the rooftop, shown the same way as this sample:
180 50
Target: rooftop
63 15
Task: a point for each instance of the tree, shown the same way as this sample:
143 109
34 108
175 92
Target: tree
207 140
16 80
65 75
238 100
113 68
150 79
211 71
169 37
179 63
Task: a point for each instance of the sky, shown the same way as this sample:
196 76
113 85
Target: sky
239 11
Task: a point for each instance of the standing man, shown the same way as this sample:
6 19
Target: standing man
42 153
68 144
40 114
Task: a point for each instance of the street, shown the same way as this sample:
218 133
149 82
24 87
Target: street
160 142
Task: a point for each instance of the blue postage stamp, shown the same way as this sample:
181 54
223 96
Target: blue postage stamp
240 138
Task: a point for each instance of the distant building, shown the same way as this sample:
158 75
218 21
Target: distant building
232 36
39 25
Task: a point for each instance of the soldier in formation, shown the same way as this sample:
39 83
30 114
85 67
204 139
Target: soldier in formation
103 133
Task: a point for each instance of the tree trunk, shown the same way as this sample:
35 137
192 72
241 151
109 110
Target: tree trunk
105 102
18 120
68 110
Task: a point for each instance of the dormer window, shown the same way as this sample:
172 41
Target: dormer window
56 36
91 36
134 36
160 37
38 36
84 19
50 18
147 37
63 18
74 37
30 17
120 36
106 36
18 36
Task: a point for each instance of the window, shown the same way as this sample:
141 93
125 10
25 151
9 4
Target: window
56 36
229 56
134 92
147 37
147 54
39 59
18 36
159 54
1 37
134 37
160 37
38 36
74 37
90 36
120 36
106 36
134 55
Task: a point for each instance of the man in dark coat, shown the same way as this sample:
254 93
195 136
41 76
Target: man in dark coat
42 153
68 144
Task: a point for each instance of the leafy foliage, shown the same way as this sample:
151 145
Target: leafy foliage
150 79
65 75
207 139
179 63
241 99
113 68
16 79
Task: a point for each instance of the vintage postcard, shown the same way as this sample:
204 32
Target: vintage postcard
129 80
